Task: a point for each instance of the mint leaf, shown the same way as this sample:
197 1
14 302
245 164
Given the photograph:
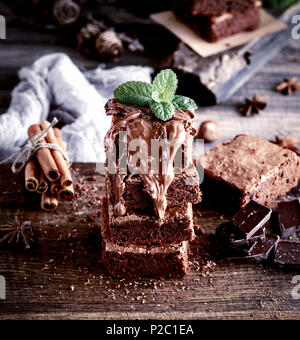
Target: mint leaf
184 103
164 86
164 111
134 93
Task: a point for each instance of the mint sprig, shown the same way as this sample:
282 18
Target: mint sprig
164 86
163 110
160 96
134 92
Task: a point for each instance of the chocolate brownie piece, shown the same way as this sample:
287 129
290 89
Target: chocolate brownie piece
140 146
248 168
140 260
211 7
146 228
225 25
184 188
214 28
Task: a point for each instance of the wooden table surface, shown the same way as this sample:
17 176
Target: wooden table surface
61 276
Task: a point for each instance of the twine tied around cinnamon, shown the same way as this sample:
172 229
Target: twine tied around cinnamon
31 147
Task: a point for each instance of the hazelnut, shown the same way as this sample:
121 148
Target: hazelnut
210 131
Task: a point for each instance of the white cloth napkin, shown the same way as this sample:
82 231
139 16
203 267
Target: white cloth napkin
54 86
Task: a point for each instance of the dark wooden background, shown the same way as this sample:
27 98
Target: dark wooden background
61 276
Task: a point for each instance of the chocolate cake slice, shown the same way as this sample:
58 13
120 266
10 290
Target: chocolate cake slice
214 27
146 228
134 260
218 27
211 7
164 173
248 168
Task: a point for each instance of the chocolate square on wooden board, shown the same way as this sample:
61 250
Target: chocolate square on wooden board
248 168
259 235
251 218
289 217
263 249
145 228
288 254
133 260
230 233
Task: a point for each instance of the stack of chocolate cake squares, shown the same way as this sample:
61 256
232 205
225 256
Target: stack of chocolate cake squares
147 217
217 19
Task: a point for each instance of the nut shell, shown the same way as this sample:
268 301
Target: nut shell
210 131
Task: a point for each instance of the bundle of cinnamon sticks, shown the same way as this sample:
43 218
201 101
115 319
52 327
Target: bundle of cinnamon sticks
48 171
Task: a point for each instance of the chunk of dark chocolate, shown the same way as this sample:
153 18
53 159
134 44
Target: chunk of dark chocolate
289 217
288 254
230 233
263 249
251 218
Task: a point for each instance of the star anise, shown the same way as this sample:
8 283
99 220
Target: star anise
288 142
253 106
288 86
17 231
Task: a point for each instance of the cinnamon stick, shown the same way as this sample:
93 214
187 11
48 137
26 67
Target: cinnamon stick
54 188
43 185
48 202
31 176
66 193
60 161
44 156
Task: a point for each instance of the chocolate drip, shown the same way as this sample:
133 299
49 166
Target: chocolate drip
140 124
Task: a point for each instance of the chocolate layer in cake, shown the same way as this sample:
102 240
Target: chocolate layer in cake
140 260
184 189
211 7
248 168
147 228
216 27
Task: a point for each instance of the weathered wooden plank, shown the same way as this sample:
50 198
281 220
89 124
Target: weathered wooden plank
66 253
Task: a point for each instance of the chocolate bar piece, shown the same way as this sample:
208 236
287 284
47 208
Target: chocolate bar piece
288 254
134 260
146 228
230 233
251 218
289 217
248 168
184 188
214 28
211 7
262 250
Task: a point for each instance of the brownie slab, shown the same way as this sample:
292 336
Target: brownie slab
144 228
219 27
211 7
218 24
184 188
248 168
140 260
